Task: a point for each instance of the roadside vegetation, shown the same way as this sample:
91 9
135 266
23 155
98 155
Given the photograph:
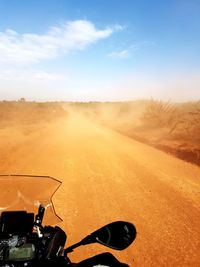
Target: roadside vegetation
171 127
23 113
174 128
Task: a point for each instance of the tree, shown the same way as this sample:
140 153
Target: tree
22 99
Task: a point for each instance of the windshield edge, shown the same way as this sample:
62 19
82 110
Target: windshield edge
40 176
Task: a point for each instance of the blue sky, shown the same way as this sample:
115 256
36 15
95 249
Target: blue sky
104 50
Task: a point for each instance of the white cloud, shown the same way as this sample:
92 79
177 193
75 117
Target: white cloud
125 53
118 27
120 54
32 48
32 76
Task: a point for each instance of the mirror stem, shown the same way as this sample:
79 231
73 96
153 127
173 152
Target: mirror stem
71 248
87 240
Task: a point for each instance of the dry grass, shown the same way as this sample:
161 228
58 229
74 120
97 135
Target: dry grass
182 121
174 128
28 112
171 127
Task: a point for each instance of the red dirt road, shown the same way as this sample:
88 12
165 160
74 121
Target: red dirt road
108 177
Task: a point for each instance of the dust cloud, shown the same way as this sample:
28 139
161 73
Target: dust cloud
171 127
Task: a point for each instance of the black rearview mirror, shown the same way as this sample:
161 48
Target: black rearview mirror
117 235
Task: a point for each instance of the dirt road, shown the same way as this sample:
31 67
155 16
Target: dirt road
108 177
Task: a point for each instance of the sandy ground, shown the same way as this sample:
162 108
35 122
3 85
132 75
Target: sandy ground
106 177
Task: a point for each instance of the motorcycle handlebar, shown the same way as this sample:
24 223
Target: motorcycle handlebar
102 259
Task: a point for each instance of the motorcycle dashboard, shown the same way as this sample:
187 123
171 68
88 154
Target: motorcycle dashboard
22 253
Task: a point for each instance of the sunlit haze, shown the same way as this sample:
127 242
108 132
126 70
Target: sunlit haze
98 50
